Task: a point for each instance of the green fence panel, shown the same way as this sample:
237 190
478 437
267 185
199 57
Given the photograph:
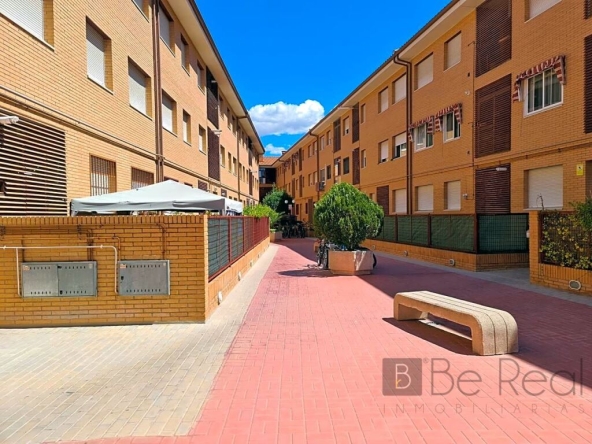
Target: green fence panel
388 230
236 238
503 233
404 235
218 243
453 232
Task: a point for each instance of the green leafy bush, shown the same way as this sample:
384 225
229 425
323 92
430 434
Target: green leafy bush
565 240
584 213
346 216
276 200
261 210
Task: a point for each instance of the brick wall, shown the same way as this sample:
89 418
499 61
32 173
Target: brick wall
552 275
179 239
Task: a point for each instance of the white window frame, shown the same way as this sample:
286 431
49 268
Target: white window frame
422 146
167 98
397 97
202 139
537 204
162 17
429 78
398 146
201 76
96 53
363 113
543 7
186 128
27 14
383 101
222 156
455 126
364 159
426 187
457 197
135 71
528 93
346 126
383 151
451 63
322 138
396 197
185 58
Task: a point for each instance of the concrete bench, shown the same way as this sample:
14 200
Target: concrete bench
494 332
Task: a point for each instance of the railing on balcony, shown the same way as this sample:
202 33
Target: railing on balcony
504 233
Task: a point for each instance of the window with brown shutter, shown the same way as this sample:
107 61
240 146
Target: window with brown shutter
337 135
202 185
212 98
588 84
383 198
494 35
214 155
493 119
492 190
587 9
103 176
356 166
141 178
356 123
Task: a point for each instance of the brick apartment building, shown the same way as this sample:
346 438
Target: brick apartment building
486 110
114 95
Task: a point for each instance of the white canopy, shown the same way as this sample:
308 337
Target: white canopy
163 196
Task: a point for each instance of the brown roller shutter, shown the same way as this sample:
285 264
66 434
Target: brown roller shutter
32 169
356 166
493 119
356 123
213 155
588 85
251 184
202 185
492 190
494 34
337 135
382 198
300 159
587 9
212 98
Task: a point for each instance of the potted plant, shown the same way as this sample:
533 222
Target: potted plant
345 217
261 210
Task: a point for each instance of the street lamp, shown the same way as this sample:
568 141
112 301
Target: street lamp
290 207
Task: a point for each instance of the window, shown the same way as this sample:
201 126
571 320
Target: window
363 113
425 72
322 175
383 151
545 187
314 147
337 167
165 27
28 14
544 90
328 172
536 7
371 196
364 159
95 55
234 166
383 100
223 156
168 113
201 76
425 198
314 177
141 5
202 141
141 178
451 127
346 126
452 50
346 165
452 197
400 201
329 137
400 145
400 89
103 178
221 108
184 54
186 128
322 143
310 179
230 162
309 150
422 138
138 88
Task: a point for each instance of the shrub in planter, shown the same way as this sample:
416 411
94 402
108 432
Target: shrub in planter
260 211
347 217
276 200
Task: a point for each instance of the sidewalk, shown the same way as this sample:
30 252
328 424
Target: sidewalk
306 363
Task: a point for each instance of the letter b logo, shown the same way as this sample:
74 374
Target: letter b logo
401 377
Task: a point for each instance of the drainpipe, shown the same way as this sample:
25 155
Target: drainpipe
398 61
157 92
318 163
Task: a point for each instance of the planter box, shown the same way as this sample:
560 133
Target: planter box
275 236
351 263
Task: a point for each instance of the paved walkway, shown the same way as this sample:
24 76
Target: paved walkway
100 382
306 365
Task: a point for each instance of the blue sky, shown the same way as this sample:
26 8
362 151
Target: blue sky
292 62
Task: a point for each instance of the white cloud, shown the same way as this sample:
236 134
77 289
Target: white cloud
272 150
283 118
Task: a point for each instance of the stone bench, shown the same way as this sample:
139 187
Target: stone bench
494 332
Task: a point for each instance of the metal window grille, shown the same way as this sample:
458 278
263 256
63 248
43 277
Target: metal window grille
103 179
141 178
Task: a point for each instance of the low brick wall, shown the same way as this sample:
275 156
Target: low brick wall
465 261
228 279
552 275
182 240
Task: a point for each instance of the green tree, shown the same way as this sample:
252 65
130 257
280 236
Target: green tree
346 216
276 200
259 211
